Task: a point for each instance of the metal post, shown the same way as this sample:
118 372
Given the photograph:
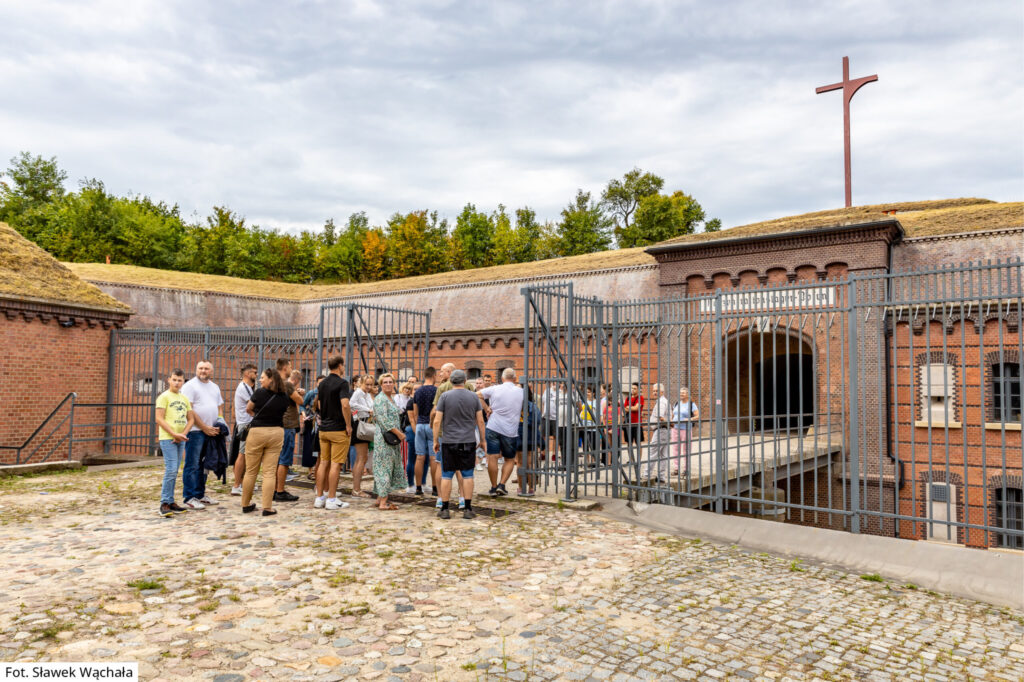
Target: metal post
571 455
616 396
155 381
721 457
108 427
349 339
259 353
320 343
71 426
854 422
426 346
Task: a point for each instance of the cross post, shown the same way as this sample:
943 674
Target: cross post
849 88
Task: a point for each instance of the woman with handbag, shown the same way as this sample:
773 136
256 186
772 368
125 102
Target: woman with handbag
264 439
363 431
388 473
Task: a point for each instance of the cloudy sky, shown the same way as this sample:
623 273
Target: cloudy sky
290 113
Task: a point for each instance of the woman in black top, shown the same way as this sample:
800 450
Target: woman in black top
266 437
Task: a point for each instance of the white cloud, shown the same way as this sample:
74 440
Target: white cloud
290 114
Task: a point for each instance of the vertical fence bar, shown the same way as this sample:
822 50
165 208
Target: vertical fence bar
719 456
854 412
108 426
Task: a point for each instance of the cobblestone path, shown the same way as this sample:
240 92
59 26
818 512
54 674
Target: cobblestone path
90 572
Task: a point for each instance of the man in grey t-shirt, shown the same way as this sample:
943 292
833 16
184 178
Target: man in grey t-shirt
458 414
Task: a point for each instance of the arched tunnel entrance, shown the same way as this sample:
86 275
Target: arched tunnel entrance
770 381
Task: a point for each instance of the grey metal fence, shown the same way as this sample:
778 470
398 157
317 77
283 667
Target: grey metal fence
373 340
881 403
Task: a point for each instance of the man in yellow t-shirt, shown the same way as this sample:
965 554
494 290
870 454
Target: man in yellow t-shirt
174 417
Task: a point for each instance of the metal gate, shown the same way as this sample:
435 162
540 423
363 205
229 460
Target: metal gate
816 403
372 339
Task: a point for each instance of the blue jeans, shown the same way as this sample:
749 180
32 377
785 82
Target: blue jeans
173 454
410 462
193 478
287 457
424 440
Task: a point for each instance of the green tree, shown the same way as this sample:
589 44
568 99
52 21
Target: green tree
584 227
660 217
518 243
417 243
713 225
621 198
472 239
34 183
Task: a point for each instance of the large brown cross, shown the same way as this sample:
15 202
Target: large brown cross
849 87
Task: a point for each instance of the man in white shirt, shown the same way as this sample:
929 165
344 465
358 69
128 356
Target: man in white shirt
506 403
243 392
657 465
206 400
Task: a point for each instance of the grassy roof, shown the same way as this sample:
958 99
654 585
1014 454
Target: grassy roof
130 274
919 219
29 273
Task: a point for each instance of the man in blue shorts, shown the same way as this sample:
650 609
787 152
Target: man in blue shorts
458 414
423 403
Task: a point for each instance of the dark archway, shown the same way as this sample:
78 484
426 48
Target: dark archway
770 381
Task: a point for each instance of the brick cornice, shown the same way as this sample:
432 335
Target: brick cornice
66 314
888 232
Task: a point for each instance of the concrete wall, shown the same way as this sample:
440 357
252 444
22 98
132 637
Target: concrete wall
484 305
160 307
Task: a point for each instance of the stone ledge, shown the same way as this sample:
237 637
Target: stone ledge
41 467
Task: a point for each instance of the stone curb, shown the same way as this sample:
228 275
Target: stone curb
990 576
22 469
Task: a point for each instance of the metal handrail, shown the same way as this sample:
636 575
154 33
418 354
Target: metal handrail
18 448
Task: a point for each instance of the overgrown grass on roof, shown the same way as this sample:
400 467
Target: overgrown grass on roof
130 274
29 272
919 218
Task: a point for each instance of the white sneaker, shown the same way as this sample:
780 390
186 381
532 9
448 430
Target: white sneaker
335 503
438 505
205 499
411 490
462 502
237 490
319 502
480 466
194 504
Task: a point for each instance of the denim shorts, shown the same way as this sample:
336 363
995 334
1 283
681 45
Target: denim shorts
287 457
424 440
498 444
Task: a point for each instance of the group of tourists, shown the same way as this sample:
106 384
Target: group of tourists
445 428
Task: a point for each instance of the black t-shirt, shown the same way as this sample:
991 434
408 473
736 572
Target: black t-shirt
333 390
270 408
424 399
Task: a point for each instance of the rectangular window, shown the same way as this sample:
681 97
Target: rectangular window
1010 516
937 384
942 512
1006 392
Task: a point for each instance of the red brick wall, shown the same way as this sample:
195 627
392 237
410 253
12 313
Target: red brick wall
42 362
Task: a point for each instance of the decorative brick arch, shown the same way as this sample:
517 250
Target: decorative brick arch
939 357
1009 356
995 483
940 476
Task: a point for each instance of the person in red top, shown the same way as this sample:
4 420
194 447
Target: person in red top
633 406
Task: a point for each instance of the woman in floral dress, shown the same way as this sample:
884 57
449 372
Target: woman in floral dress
388 472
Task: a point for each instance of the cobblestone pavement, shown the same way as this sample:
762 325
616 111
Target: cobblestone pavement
90 572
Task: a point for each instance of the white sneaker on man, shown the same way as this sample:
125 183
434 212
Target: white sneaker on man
335 503
205 499
194 504
480 465
237 490
411 490
319 502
